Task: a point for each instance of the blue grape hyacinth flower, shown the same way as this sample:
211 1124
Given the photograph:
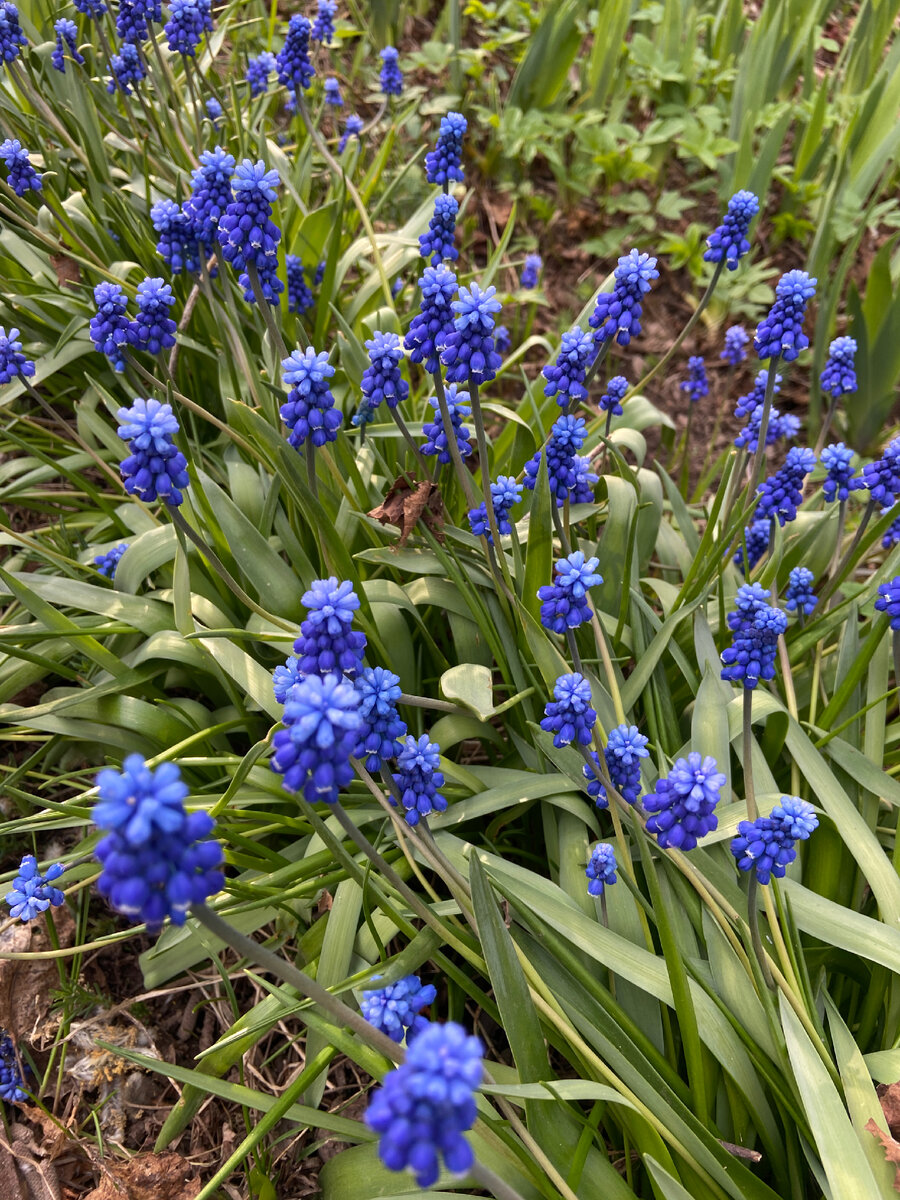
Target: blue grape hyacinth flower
611 400
382 726
247 233
564 603
601 869
567 436
13 363
110 328
433 431
353 128
309 412
188 21
443 164
284 677
425 1106
323 26
565 378
295 71
106 563
756 540
432 325
210 195
838 376
502 340
396 1008
505 493
418 778
12 1081
156 468
333 95
153 329
391 78
889 601
840 474
382 380
213 111
780 334
177 244
259 71
767 845
468 352
735 350
322 726
33 892
696 385
91 8
300 297
728 242
20 174
756 626
569 715
327 643
12 39
618 313
882 477
782 493
139 803
892 534
437 243
531 271
683 804
799 596
747 405
126 68
624 749
66 39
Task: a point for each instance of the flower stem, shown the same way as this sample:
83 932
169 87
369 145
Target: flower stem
756 468
752 811
834 581
462 473
753 915
278 346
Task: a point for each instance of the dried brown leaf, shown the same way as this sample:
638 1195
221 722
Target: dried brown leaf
25 984
68 272
889 1095
889 1145
147 1177
408 502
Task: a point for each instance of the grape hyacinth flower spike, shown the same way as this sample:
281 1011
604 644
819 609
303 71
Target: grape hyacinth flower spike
505 493
300 297
327 643
188 21
624 749
210 195
565 378
780 334
611 400
840 474
766 845
756 626
683 804
601 868
882 477
799 596
156 468
735 350
617 314
696 385
20 174
12 39
435 434
309 412
323 26
838 376
531 271
569 715
284 677
396 1008
382 726
295 71
177 243
443 163
756 540
564 603
333 95
437 243
153 329
353 128
110 328
418 778
566 437
213 111
126 69
728 242
33 892
12 1081
433 323
322 726
382 380
889 601
469 353
781 494
246 232
259 70
66 39
106 564
13 363
391 79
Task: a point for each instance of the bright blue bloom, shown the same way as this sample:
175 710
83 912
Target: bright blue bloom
696 385
213 111
91 8
106 563
889 600
436 438
781 334
469 347
327 643
210 195
778 426
437 242
583 481
624 749
378 691
396 1008
756 625
153 329
353 128
188 21
601 868
729 240
66 32
258 71
502 340
766 845
382 379
156 468
432 325
611 400
838 377
618 313
126 68
683 804
565 378
295 70
246 231
505 493
322 727
333 92
12 1081
13 363
756 537
21 175
564 603
736 341
391 79
140 803
531 271
110 328
443 163
323 26
569 715
157 860
300 298
753 400
781 494
418 778
837 459
309 411
425 1106
284 677
882 477
131 22
320 273
177 244
892 536
33 893
798 596
11 36
566 437
784 425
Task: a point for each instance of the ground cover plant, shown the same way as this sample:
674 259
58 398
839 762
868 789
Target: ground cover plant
501 772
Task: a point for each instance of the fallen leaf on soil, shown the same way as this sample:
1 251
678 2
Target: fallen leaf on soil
68 272
889 1095
405 505
147 1177
25 984
891 1148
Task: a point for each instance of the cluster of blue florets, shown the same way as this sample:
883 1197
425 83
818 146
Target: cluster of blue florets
322 726
799 596
396 1008
381 724
66 39
153 329
840 474
756 626
569 716
569 475
391 79
683 804
21 175
624 749
618 313
177 244
126 68
259 71
838 376
564 603
188 21
418 778
247 234
327 641
431 326
309 411
443 164
781 494
780 334
767 845
13 363
323 26
756 541
601 868
155 468
505 493
735 349
882 477
300 297
728 242
696 385
531 271
353 128
382 380
12 1081
12 39
434 432
106 563
889 601
468 352
748 404
438 242
32 891
565 377
295 71
210 195
611 400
